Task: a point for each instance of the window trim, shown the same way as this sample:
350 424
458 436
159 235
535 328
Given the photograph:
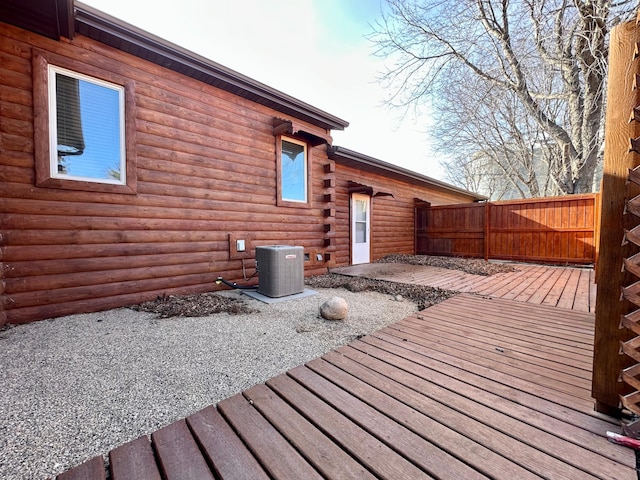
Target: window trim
288 202
45 175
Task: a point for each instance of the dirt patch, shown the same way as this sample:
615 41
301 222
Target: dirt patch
195 305
204 304
421 295
475 266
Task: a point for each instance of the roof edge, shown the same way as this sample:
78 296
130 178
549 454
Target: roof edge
136 41
336 152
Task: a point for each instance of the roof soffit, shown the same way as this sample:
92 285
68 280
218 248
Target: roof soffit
364 162
50 18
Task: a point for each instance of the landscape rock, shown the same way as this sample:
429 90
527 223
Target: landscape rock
336 308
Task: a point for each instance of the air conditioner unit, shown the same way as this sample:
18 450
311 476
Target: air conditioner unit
280 269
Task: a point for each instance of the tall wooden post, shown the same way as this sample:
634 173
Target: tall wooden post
622 97
487 229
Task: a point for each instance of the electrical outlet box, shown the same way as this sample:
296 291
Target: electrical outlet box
241 245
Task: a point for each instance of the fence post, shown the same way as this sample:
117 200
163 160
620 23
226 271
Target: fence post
618 160
487 221
597 219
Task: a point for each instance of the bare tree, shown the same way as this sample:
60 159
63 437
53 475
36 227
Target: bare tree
480 129
477 174
545 60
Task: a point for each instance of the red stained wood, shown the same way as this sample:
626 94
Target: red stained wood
535 284
202 165
369 386
471 411
277 456
415 401
178 454
619 160
327 457
222 447
558 230
90 470
426 455
134 461
368 450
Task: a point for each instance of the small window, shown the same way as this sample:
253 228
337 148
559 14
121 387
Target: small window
293 171
86 128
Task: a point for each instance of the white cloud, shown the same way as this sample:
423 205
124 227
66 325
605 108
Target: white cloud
314 50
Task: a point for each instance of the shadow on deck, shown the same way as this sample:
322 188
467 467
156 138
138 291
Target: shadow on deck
470 388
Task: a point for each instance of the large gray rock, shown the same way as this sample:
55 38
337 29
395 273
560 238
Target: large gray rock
336 308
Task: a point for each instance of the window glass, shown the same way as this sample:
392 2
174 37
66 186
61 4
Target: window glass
86 128
293 171
361 232
361 221
361 210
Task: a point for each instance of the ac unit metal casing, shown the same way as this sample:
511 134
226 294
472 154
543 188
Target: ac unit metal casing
281 270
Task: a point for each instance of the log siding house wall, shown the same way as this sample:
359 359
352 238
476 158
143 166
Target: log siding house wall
204 171
393 201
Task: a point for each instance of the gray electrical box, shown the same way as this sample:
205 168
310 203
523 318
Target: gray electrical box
280 269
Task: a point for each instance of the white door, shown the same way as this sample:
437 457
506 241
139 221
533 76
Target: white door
360 228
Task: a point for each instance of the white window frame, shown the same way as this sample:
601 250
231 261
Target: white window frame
53 127
306 170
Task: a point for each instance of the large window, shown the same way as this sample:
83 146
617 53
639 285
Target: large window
293 171
86 128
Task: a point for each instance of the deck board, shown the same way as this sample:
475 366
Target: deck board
179 457
92 469
222 447
272 450
327 457
572 364
372 388
374 454
134 461
483 422
425 455
427 397
564 287
558 336
557 380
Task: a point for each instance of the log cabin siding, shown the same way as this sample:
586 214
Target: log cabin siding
205 169
392 217
205 165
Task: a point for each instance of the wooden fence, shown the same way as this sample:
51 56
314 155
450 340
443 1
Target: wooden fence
554 229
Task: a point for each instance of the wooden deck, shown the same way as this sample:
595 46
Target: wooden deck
564 287
470 388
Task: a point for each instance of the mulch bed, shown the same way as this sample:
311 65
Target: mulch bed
476 266
195 305
204 304
421 295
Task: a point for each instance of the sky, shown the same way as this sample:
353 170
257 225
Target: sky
313 50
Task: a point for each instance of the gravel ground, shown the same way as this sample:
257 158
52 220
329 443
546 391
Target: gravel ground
81 385
78 386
